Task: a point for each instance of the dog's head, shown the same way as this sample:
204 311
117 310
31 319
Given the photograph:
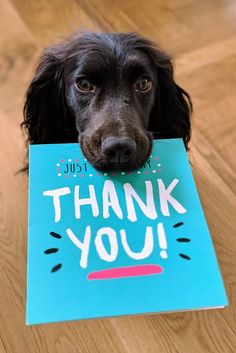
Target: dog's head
113 92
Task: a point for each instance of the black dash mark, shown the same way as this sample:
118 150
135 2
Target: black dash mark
56 268
178 224
186 257
55 235
183 240
50 251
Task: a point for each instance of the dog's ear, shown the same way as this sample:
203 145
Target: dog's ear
170 116
46 115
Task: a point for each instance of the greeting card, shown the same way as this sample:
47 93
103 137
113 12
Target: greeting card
106 244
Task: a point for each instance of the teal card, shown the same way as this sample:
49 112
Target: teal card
120 243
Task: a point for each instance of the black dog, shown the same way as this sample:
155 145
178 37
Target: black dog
113 92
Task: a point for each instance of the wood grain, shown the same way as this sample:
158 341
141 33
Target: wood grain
201 35
50 21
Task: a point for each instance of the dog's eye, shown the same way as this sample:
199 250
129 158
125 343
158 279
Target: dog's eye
84 85
143 84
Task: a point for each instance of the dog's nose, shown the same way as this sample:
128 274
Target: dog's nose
118 150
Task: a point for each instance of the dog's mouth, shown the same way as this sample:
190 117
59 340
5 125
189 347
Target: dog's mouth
108 166
117 154
125 167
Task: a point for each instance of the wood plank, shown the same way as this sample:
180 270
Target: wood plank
17 48
177 27
206 55
2 347
214 117
219 205
51 21
194 332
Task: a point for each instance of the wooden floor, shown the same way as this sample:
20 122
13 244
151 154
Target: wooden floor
201 35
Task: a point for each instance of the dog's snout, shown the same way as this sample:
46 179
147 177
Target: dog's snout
118 150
